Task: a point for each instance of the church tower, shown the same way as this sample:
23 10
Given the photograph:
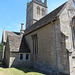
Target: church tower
36 9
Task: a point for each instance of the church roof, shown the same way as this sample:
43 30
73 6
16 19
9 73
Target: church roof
6 33
18 44
45 20
13 33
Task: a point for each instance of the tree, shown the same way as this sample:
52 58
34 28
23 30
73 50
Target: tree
1 47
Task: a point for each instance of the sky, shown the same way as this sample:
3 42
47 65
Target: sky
13 13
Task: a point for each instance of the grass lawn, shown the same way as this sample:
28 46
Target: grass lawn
20 71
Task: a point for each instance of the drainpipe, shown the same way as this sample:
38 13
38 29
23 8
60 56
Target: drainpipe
55 48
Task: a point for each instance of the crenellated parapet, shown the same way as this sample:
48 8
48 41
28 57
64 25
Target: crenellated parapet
36 9
38 2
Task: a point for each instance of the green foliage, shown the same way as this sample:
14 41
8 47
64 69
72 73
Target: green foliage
1 47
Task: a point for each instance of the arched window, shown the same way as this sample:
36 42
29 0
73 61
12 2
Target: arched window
38 10
43 11
73 31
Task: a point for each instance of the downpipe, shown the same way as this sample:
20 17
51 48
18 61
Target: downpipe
55 48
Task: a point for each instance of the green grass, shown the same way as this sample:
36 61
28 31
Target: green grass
20 71
1 47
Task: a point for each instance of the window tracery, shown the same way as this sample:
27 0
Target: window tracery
43 11
38 10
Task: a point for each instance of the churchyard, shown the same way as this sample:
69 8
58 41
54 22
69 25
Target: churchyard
19 71
16 71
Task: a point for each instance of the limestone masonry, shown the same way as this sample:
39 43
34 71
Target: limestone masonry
47 43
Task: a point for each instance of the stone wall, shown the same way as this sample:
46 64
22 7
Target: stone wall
66 28
16 62
29 17
6 55
45 59
62 53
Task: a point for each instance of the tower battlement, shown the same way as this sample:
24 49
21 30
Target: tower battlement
38 2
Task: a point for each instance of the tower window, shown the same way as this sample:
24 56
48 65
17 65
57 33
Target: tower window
38 10
43 12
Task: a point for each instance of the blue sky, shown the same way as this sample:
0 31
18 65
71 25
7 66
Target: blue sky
13 13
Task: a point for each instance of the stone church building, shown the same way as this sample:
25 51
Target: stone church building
47 43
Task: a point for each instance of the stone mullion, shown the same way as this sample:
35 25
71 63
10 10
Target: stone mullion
37 45
34 50
33 45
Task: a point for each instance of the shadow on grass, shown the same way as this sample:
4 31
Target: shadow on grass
27 70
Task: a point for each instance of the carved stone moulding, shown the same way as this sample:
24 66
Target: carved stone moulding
73 22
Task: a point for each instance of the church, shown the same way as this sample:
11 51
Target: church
47 43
